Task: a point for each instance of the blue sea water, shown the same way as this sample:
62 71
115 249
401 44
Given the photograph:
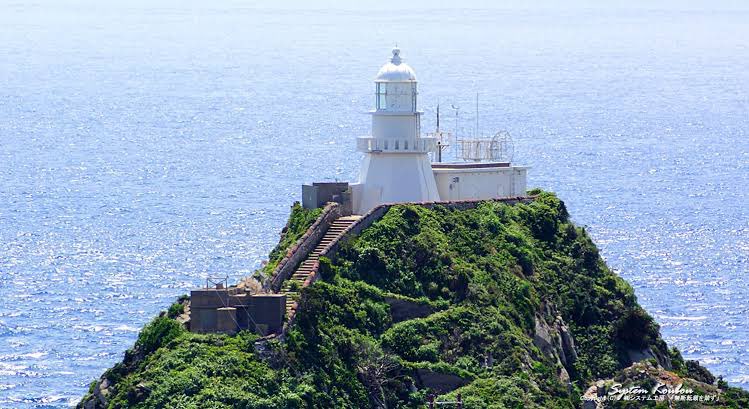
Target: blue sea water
146 145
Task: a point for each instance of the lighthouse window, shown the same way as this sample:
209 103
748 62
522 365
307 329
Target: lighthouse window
413 93
381 96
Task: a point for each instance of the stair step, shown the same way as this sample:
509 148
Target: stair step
307 268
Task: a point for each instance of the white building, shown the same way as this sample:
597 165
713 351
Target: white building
397 167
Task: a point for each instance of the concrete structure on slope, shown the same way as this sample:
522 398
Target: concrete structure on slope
217 308
397 166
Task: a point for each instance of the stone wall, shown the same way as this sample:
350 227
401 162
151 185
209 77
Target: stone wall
440 382
298 252
402 309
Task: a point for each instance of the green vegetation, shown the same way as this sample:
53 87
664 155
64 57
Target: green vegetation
203 371
175 310
490 275
300 220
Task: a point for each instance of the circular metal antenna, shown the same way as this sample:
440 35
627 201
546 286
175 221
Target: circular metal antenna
501 148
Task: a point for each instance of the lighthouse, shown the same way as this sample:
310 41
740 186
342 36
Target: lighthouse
396 167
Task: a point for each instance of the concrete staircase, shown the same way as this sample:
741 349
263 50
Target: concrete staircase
292 286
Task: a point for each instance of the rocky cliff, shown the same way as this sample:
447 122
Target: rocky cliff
502 306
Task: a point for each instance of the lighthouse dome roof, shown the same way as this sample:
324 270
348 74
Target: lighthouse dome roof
395 70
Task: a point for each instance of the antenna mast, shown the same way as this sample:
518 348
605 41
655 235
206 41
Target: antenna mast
438 117
477 115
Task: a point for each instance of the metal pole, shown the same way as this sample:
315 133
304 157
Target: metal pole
460 401
477 115
455 145
431 401
438 117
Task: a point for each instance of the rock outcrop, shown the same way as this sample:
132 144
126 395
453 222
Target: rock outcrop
554 340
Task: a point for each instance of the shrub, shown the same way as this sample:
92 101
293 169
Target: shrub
699 372
637 329
157 334
175 310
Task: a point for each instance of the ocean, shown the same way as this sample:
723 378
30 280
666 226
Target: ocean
147 145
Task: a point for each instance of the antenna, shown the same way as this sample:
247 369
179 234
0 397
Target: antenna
477 116
444 139
438 117
457 109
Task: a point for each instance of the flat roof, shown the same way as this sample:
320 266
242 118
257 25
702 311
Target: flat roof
470 165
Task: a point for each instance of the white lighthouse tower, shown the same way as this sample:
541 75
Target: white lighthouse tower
396 167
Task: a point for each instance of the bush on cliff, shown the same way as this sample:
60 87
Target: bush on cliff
158 333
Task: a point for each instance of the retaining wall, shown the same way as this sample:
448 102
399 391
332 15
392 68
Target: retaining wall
298 251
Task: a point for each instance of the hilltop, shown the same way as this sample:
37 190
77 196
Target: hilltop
508 306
